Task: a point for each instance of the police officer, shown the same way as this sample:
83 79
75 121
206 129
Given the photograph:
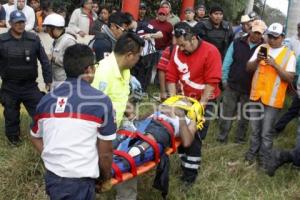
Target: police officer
215 30
19 51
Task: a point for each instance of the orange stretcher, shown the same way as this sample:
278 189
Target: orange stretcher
145 167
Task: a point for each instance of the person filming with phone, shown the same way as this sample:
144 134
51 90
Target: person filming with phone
274 67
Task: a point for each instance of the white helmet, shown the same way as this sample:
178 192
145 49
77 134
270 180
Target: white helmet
54 20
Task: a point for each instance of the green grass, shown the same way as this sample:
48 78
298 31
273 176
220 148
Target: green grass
21 172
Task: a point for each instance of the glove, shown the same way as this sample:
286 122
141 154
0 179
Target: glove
136 91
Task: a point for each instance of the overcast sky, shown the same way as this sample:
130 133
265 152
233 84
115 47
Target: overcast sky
279 4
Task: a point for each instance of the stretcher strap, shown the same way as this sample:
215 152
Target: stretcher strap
152 143
130 134
118 172
129 159
170 129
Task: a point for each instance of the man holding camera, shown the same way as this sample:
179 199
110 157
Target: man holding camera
19 52
274 66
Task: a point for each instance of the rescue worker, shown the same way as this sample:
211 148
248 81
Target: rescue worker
274 66
63 38
19 51
112 77
197 65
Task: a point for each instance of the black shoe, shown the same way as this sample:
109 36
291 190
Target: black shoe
14 140
277 159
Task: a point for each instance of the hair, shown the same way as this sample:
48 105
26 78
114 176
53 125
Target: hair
128 42
82 2
46 5
215 7
76 59
101 7
190 31
128 18
118 18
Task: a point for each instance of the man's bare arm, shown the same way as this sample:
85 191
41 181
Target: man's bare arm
105 150
38 144
208 91
172 89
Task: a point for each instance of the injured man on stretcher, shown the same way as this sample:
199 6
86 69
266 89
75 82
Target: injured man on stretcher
177 117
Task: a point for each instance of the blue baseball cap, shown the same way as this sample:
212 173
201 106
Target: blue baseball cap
17 16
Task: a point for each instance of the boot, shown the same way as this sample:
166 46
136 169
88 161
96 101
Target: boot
277 158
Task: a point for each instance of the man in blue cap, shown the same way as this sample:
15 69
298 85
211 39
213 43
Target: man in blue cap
19 51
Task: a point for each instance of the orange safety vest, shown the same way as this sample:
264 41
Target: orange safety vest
267 85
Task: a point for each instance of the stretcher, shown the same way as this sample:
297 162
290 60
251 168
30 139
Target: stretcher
132 167
126 167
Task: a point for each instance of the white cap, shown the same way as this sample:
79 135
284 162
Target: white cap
54 20
245 18
275 29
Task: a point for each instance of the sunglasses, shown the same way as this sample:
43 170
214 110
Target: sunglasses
272 37
163 14
178 32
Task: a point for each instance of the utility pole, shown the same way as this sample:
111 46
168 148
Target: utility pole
293 17
249 8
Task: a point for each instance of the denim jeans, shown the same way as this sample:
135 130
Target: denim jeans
230 104
261 141
59 188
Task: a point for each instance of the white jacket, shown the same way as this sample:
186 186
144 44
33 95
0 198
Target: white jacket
8 9
29 14
79 21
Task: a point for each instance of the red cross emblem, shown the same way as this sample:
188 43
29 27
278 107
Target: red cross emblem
61 102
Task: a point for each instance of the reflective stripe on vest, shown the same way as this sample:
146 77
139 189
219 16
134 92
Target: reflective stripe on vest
267 84
278 79
186 75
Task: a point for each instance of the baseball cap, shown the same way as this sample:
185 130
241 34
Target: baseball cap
17 16
143 5
190 9
163 11
245 18
276 30
259 26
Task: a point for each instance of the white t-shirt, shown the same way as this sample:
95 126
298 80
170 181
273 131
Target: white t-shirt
291 66
172 120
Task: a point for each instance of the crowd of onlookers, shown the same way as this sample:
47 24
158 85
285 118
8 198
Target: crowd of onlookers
243 71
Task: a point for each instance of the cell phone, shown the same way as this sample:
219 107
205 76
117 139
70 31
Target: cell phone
263 51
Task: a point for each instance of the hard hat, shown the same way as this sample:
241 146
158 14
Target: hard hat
54 20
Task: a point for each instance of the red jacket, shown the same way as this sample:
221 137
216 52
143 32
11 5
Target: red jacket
203 66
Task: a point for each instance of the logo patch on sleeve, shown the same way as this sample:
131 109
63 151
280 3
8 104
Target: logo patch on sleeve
61 104
102 86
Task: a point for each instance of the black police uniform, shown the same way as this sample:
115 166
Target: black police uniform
220 37
19 70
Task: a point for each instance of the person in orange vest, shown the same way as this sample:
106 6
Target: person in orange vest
274 67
